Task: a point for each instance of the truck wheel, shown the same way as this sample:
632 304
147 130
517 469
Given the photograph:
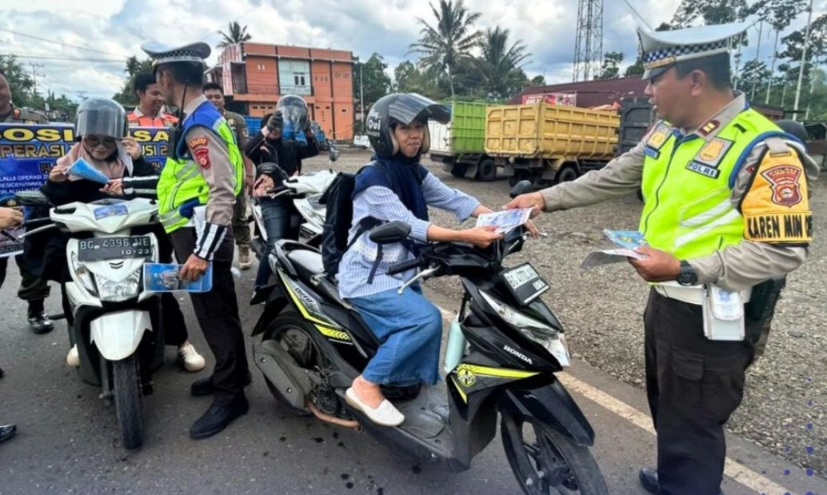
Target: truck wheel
567 174
487 170
459 170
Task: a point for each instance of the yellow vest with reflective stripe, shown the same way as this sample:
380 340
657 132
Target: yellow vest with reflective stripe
687 185
181 180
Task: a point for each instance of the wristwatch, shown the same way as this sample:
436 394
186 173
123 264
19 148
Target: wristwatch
687 275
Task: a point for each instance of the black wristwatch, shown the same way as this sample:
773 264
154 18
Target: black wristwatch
688 275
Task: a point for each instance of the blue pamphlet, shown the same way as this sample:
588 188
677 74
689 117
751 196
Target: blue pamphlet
81 168
628 239
161 277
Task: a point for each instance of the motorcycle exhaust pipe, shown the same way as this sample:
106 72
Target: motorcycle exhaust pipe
352 424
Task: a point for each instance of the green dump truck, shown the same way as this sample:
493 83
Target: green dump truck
460 144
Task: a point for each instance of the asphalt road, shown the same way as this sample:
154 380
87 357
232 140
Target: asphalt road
68 439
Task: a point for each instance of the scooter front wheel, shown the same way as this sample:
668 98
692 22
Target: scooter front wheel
546 462
128 401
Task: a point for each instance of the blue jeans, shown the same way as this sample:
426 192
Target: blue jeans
409 329
276 214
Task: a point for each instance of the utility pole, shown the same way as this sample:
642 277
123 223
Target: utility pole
362 97
35 66
803 59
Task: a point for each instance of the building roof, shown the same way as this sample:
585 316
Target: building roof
592 93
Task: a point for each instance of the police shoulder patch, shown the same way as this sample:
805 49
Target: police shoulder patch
776 207
195 143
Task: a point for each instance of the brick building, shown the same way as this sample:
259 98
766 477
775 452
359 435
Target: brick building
255 76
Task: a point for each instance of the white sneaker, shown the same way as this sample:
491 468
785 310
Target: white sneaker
73 358
192 360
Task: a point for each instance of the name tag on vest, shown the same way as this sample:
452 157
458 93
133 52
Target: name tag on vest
711 155
705 170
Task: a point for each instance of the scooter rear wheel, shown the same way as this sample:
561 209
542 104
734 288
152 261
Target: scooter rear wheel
295 335
546 462
128 401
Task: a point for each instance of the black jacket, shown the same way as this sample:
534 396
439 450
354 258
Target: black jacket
288 155
45 253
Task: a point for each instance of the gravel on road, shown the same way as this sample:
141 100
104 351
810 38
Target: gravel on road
785 402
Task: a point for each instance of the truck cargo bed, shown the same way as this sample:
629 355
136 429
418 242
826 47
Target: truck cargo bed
547 131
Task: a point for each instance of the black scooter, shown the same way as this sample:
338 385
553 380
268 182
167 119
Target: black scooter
314 344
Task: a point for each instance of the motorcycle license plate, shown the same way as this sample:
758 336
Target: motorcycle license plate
524 283
108 248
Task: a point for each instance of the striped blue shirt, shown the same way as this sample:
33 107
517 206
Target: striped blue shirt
383 204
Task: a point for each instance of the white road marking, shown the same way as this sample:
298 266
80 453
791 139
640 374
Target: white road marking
733 469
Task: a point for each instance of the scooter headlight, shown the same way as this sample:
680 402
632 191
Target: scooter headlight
83 274
551 339
111 291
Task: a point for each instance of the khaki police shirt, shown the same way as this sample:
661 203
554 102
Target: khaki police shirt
210 152
23 116
734 268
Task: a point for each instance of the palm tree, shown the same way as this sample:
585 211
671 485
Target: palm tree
500 64
443 46
237 34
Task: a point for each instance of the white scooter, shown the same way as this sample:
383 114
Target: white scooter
305 190
117 327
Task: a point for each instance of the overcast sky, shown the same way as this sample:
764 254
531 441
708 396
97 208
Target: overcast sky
81 45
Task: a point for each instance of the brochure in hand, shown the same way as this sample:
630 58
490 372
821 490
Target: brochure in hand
627 240
161 277
505 220
81 168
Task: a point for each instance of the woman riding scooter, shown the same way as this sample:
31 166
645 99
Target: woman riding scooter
101 128
398 187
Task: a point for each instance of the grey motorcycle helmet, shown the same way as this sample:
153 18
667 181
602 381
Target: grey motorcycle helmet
101 117
294 112
794 128
401 108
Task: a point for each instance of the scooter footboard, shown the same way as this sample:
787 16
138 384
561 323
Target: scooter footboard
551 405
117 335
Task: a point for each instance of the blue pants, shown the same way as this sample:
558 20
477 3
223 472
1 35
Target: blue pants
276 214
409 329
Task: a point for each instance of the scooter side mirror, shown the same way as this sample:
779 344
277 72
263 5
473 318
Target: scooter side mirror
31 198
391 232
334 154
522 187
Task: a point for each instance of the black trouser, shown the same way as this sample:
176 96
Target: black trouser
217 313
175 326
241 226
32 288
693 385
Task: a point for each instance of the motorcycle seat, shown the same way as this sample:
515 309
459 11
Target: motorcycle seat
307 263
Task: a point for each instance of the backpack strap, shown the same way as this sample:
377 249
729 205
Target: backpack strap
370 223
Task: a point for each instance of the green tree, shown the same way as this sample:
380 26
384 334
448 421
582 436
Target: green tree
500 63
539 80
444 45
408 78
371 79
710 11
236 33
20 81
126 96
611 65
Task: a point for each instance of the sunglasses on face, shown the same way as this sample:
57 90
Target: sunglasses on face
94 141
